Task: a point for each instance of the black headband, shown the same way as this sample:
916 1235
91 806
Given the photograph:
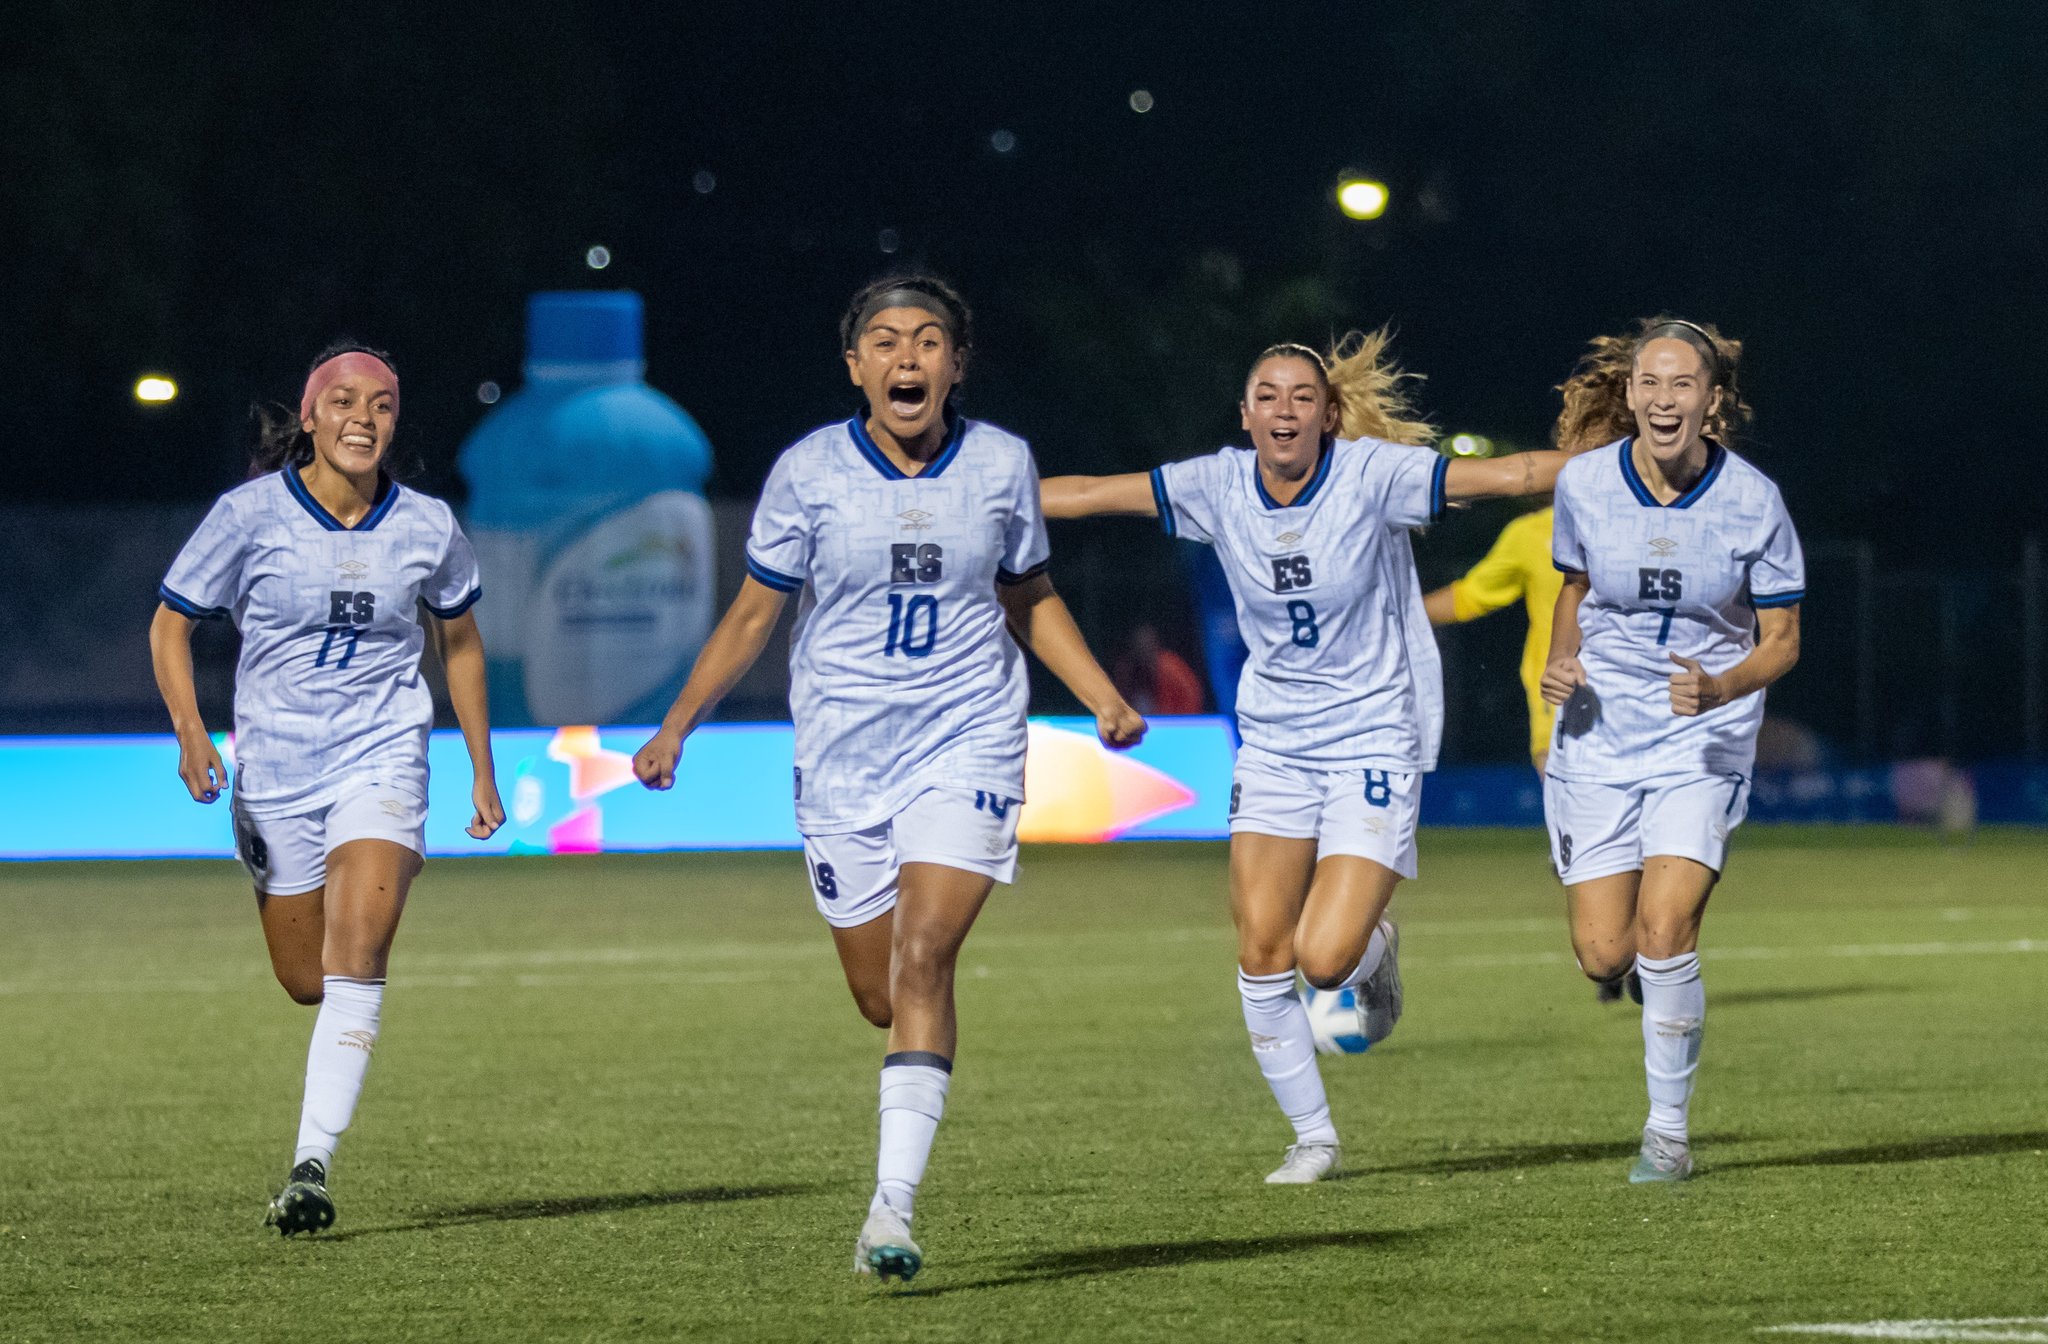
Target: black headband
908 296
1712 350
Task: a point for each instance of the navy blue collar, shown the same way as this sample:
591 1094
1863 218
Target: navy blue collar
1308 492
956 433
387 495
1716 457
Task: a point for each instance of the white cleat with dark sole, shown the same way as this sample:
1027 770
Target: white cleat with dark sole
885 1249
1308 1163
1379 994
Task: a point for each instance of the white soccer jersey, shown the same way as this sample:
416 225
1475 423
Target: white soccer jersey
329 684
1683 579
1343 673
903 674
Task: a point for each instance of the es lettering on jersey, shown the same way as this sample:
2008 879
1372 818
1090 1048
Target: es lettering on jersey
328 687
1683 578
903 674
1343 672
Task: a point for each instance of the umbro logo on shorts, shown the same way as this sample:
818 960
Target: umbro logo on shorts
396 807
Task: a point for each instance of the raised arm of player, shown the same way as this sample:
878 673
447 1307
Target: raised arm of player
1040 620
461 646
741 635
1098 496
1492 477
1694 690
1562 673
170 652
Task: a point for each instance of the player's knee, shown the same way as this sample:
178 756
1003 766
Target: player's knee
303 988
1604 964
922 965
1324 971
874 1005
1658 941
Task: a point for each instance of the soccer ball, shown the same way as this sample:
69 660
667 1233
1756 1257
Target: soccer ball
1334 1021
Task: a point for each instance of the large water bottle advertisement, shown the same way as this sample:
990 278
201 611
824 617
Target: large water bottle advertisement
587 510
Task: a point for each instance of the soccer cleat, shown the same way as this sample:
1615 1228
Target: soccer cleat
1610 991
1663 1158
304 1204
1379 994
885 1249
1308 1163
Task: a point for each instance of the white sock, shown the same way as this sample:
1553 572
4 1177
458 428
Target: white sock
1286 1052
1375 948
914 1084
1674 1015
343 1036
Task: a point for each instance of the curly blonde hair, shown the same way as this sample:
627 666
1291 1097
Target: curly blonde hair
1368 388
1596 395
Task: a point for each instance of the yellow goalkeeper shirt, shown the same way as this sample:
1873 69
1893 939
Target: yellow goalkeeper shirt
1519 566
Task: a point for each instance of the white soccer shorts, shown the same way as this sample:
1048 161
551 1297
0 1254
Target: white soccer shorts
287 856
1598 830
854 873
1367 813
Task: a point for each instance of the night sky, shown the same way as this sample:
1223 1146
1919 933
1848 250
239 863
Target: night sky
1854 189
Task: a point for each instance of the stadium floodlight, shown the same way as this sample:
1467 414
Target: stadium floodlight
1362 198
154 389
598 257
1471 445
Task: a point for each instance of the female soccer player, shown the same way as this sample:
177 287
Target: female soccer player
914 536
1341 704
1678 558
320 560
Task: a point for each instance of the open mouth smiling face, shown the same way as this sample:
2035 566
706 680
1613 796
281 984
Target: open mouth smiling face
1671 395
352 425
1287 411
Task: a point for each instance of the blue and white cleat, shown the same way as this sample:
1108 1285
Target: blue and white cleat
1662 1159
885 1249
1379 996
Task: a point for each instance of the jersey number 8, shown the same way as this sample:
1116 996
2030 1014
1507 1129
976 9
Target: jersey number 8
1303 615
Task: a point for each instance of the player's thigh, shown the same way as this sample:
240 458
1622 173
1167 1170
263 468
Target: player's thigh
1602 912
286 858
1345 901
953 846
376 846
938 905
864 952
1275 816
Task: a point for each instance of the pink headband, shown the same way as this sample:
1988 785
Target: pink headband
340 367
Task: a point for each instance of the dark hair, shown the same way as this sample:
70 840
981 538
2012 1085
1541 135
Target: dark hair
280 440
930 292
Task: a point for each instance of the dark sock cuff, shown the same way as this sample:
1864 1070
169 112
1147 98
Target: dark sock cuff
925 1059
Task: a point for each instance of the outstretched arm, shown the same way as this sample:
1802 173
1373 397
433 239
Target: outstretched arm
1043 625
461 646
170 653
1694 690
1493 477
1093 496
725 658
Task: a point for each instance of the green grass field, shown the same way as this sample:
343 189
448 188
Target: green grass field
629 1098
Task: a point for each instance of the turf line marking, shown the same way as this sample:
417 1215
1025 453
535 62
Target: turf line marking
1841 950
1976 1328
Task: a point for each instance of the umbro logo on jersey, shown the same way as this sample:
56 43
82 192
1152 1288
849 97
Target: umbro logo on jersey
365 1041
1663 546
1287 538
915 520
353 569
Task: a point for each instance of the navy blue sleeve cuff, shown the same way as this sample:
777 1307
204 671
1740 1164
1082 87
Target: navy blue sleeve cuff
185 606
1163 502
1563 568
1438 497
772 578
450 613
1009 580
1791 599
